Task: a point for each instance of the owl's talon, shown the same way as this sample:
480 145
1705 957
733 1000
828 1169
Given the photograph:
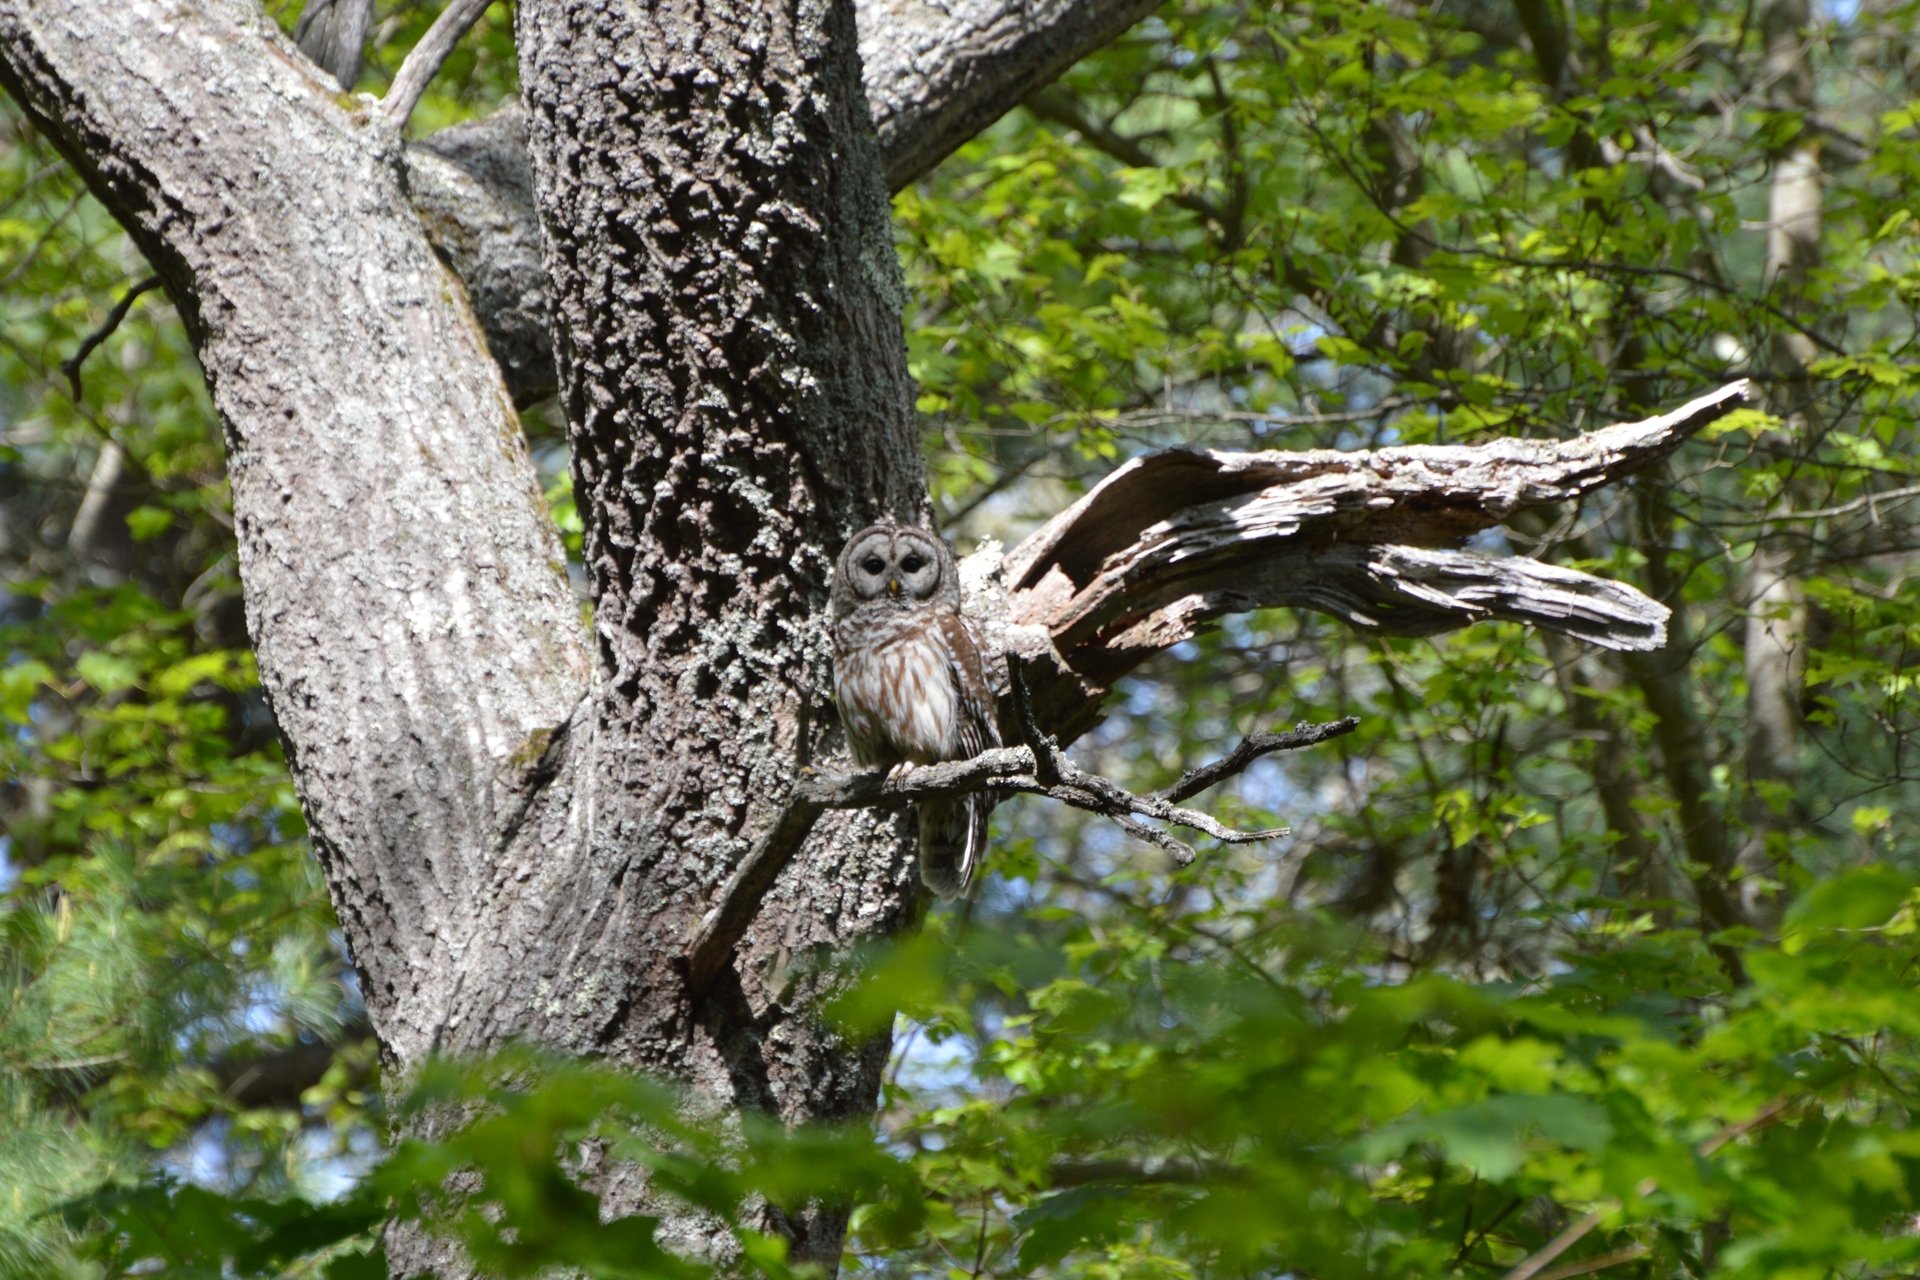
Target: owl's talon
900 771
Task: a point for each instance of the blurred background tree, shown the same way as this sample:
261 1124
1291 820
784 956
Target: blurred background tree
1574 962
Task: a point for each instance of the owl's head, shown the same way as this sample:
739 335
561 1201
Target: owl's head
897 563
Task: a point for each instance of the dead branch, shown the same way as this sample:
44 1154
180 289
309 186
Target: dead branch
1251 748
1002 769
1533 1266
1014 769
1165 1169
1600 1262
250 1076
1173 540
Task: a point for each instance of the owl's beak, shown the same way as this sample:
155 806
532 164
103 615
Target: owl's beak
893 586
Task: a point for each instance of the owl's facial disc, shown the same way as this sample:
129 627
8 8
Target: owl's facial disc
894 564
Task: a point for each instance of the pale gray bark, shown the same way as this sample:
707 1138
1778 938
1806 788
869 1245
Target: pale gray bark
934 76
939 71
474 192
1776 622
1171 541
428 55
405 590
334 34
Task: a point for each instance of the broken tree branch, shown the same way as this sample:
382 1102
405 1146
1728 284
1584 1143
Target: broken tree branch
1173 540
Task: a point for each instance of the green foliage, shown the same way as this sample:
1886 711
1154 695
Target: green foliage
1185 1097
1156 1100
162 918
505 1184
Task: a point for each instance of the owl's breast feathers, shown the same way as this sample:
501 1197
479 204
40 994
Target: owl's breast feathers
896 693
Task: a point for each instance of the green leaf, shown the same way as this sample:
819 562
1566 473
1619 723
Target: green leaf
147 523
107 672
1864 898
20 682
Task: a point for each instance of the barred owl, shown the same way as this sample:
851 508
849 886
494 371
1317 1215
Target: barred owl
911 684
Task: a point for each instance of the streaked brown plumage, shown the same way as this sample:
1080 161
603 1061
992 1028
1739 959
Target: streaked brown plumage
910 680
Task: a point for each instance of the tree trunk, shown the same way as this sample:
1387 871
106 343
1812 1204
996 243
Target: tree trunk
727 308
405 590
517 824
1776 622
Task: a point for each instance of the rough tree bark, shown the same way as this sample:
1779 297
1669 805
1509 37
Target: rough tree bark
934 75
523 823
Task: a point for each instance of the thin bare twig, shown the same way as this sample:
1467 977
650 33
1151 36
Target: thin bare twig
722 927
424 60
1170 1169
1531 1266
1044 748
1870 502
1251 748
71 365
45 237
1599 1262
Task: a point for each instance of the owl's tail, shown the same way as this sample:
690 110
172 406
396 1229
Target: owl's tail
953 836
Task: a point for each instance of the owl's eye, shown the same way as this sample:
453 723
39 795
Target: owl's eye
873 564
912 564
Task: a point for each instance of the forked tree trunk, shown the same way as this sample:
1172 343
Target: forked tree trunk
519 821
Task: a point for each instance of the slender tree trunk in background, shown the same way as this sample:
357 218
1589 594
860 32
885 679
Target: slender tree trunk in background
1662 678
1776 621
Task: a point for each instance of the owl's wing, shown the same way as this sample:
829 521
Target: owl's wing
953 833
978 724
